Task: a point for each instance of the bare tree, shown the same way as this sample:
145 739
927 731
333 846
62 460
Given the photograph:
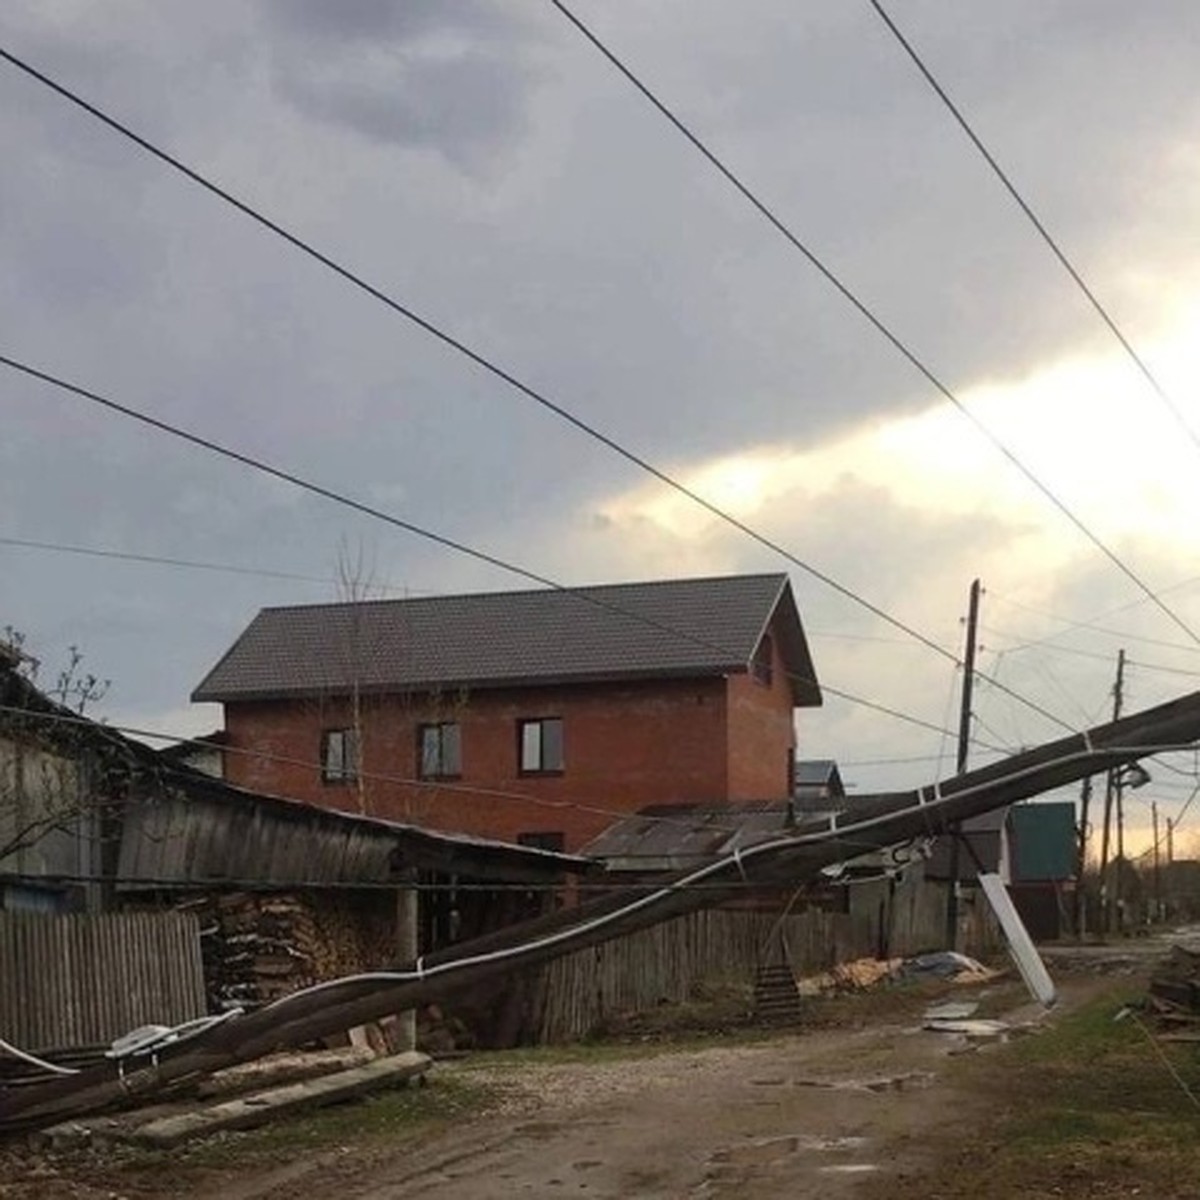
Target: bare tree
44 784
357 587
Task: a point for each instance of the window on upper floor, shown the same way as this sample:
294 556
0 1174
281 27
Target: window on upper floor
439 750
761 665
540 745
339 755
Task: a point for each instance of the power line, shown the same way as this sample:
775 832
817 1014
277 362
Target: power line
341 498
1037 223
586 886
359 506
1094 628
1017 645
418 531
1174 827
692 824
366 776
869 315
128 556
197 564
484 363
268 573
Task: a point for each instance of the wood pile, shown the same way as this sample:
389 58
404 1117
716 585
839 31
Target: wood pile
1175 990
259 947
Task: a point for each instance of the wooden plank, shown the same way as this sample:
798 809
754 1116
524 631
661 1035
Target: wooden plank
262 1107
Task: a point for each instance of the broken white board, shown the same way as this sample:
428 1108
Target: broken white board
1020 944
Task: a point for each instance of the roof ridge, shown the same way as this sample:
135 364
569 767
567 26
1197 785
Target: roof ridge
426 598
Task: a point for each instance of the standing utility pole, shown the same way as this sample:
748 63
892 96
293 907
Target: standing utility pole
964 740
1111 784
1085 800
1158 905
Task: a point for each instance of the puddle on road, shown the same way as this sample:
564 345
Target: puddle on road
766 1154
882 1083
765 1150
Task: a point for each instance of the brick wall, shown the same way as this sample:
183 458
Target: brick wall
626 746
759 733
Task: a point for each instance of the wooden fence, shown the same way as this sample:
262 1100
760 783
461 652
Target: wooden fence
664 963
83 980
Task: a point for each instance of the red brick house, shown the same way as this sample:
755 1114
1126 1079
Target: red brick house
526 716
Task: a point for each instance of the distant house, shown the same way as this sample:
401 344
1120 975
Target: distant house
527 716
817 786
202 754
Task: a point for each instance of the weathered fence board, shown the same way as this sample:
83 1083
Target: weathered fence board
83 980
662 964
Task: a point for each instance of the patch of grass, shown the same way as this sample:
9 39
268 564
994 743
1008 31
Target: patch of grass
394 1115
387 1118
1084 1108
602 1049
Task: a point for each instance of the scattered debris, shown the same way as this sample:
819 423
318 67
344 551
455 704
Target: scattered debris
1020 944
956 1010
864 973
1174 997
976 1030
247 1112
169 1124
855 976
948 965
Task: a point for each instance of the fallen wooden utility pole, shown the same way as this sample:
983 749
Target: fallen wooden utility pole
873 822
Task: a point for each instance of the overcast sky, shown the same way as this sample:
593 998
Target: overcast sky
480 162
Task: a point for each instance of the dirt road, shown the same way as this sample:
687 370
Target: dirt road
818 1114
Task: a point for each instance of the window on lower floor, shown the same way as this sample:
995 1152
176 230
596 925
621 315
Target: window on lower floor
339 755
439 750
540 745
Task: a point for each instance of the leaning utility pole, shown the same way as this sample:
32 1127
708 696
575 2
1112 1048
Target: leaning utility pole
1110 786
964 740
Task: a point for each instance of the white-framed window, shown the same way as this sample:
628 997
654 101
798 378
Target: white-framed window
540 745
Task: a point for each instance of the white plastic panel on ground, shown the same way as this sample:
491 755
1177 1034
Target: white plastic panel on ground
1024 952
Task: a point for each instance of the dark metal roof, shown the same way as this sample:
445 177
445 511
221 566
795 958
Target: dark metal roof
669 628
818 772
670 837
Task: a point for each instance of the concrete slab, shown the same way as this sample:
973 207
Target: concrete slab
247 1112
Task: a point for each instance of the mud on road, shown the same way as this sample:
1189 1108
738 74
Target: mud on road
843 1109
822 1113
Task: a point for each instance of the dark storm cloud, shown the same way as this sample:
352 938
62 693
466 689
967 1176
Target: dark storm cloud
460 107
384 19
483 165
451 78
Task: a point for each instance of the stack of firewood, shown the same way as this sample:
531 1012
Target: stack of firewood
258 947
